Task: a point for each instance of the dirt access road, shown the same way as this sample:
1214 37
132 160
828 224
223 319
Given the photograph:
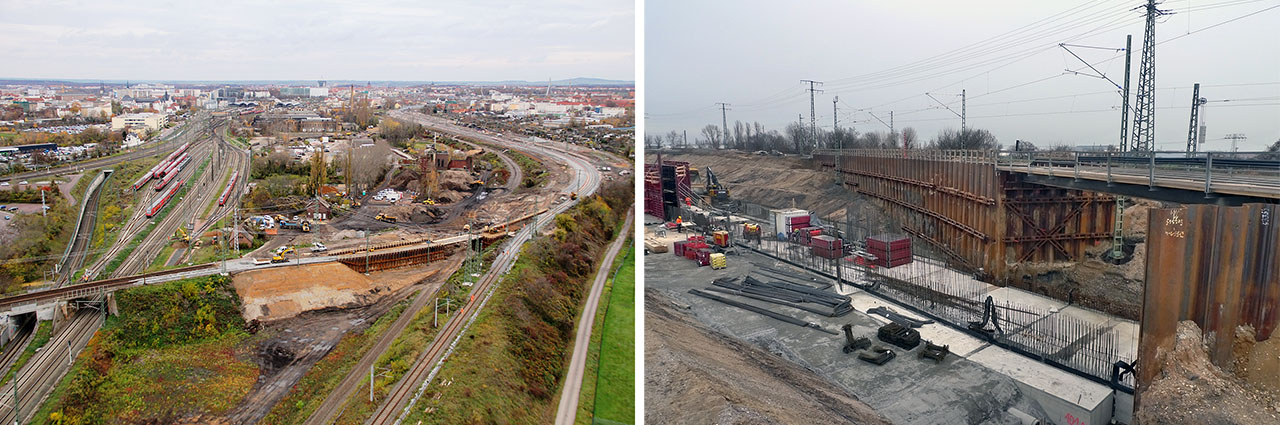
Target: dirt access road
565 414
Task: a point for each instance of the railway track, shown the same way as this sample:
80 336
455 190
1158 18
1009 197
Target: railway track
76 252
19 343
406 392
48 366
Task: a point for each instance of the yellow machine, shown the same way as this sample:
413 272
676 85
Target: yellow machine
573 196
278 259
429 201
385 218
182 235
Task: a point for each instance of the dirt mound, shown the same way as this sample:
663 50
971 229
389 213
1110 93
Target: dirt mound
1190 389
773 181
416 213
282 292
694 375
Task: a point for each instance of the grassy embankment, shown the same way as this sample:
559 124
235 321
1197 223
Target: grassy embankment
510 366
608 384
176 355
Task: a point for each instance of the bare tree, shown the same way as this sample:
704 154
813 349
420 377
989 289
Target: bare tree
909 137
675 140
712 137
969 139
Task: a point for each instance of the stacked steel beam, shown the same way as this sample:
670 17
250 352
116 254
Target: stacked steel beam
788 294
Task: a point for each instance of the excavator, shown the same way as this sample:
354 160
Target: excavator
182 235
717 194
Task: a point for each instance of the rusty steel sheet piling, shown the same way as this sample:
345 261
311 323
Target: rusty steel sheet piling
1215 265
982 217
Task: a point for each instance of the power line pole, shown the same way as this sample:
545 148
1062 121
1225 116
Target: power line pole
835 110
1195 135
813 114
724 121
963 113
1235 138
1144 117
1124 104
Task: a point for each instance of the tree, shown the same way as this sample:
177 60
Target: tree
1272 152
909 138
969 139
318 172
712 137
674 139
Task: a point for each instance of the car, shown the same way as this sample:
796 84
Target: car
8 217
14 209
22 182
319 247
4 184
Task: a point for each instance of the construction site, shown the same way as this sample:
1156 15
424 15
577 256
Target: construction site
966 286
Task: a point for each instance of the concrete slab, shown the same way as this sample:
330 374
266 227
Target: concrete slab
1064 396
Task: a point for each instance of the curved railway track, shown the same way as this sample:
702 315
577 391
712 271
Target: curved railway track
406 392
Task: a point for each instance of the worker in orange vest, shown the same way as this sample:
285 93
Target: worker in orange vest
680 224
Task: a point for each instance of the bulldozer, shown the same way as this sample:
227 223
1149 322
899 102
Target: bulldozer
385 218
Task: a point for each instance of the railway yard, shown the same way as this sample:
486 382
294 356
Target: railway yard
299 301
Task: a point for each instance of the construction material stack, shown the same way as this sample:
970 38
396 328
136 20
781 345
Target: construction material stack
665 188
718 261
890 250
653 191
826 246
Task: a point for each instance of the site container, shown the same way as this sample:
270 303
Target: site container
784 221
678 248
892 255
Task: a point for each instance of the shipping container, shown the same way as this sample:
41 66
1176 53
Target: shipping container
825 241
784 221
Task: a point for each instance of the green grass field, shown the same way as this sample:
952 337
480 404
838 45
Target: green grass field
608 388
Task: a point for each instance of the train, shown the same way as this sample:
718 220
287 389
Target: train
159 203
227 193
173 172
171 160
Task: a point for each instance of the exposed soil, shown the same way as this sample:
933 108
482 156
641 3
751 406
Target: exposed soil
1258 363
285 349
283 292
1191 390
778 182
695 375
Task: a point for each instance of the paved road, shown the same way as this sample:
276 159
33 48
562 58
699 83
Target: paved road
569 395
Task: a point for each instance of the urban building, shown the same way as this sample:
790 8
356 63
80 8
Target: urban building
146 120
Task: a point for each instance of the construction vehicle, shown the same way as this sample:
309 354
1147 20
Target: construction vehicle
278 259
573 196
717 194
181 234
429 201
385 218
304 225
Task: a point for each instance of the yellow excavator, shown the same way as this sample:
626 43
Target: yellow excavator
182 235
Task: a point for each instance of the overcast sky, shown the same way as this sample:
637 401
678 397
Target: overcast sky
315 39
753 55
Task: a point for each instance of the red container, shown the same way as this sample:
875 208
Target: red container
893 263
896 254
703 257
832 253
888 243
690 253
798 222
824 241
678 248
697 238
